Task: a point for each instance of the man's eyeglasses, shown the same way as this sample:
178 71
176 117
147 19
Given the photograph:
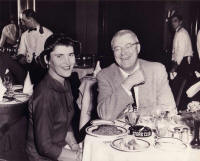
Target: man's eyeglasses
128 46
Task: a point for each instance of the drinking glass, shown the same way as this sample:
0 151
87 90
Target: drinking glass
7 82
162 124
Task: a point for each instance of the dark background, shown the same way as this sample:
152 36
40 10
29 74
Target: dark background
93 23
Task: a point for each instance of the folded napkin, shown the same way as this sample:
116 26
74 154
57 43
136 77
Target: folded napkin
2 89
7 71
97 68
197 74
193 89
28 86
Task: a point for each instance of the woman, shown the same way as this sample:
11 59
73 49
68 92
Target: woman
10 33
51 106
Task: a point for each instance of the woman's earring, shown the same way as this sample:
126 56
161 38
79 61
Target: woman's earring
48 64
46 61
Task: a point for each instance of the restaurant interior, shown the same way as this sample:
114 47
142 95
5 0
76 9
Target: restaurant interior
92 24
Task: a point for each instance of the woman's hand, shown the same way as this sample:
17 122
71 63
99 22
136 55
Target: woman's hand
79 155
72 155
75 146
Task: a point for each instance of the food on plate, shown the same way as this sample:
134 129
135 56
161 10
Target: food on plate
107 130
193 106
130 144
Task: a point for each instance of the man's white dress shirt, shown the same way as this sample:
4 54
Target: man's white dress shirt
182 45
125 75
33 42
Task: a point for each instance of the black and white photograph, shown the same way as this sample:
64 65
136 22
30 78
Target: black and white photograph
99 80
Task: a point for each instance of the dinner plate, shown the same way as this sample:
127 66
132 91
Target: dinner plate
170 144
90 130
138 145
21 96
100 122
17 87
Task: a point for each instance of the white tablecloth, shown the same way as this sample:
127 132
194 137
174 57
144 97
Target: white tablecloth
96 150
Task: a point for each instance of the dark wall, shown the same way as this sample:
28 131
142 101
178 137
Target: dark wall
144 18
7 8
87 25
58 15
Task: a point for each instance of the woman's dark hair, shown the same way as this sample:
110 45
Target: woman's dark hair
51 42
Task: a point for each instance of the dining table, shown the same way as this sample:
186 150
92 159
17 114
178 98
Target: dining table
13 115
97 148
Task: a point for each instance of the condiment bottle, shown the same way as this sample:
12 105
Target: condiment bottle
176 133
185 135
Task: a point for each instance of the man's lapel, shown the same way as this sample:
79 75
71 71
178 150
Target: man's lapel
143 92
117 76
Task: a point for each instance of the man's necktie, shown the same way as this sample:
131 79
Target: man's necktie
35 29
41 30
32 29
134 105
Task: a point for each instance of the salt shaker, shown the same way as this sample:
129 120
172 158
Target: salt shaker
177 133
185 135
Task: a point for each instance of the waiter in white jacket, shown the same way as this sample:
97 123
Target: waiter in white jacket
181 58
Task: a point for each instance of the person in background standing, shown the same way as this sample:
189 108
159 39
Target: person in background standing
10 33
32 44
181 59
9 37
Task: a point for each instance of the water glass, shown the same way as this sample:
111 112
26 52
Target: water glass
7 82
162 127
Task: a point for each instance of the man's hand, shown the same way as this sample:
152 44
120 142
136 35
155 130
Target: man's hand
197 74
75 147
79 155
134 79
172 75
29 57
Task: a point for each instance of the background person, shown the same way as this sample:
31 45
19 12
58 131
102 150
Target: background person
181 60
32 44
10 34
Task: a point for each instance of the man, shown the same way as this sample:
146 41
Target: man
182 46
152 91
32 43
181 59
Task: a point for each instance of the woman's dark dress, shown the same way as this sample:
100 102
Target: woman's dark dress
50 114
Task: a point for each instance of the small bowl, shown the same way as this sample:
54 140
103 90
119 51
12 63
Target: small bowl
140 131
